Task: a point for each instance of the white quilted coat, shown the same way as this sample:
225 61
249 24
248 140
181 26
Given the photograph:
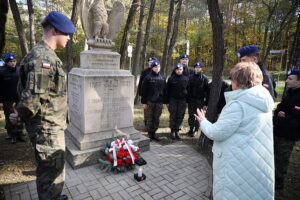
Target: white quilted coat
243 163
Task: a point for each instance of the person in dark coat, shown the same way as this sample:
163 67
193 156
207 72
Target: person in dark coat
286 123
152 93
9 76
144 73
176 99
197 96
250 53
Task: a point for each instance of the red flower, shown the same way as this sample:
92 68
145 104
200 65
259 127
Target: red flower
120 155
109 158
119 161
128 160
121 150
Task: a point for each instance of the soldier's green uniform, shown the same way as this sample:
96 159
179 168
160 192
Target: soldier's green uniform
43 107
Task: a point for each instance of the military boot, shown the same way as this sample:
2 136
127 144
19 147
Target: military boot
190 132
173 137
155 137
177 135
8 137
13 140
62 197
150 135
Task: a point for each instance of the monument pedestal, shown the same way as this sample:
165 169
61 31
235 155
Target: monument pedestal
101 106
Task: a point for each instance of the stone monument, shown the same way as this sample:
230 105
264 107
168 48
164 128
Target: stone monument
100 95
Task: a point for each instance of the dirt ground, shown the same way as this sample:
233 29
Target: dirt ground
20 165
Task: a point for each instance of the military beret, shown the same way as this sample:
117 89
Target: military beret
60 22
9 56
155 63
184 56
246 50
294 72
178 65
151 59
198 64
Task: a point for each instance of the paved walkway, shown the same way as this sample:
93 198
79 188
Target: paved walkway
174 171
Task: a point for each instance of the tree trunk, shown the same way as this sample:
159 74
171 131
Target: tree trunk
3 18
31 23
139 40
175 33
295 55
127 30
168 37
74 19
218 64
148 26
19 26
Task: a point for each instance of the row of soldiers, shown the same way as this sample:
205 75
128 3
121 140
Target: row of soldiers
184 86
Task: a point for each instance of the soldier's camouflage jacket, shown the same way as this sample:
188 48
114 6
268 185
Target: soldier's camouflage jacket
42 88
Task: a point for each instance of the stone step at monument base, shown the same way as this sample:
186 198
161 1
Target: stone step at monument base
81 158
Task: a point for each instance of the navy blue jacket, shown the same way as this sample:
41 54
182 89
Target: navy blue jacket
9 78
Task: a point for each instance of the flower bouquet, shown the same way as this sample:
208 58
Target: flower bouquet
119 155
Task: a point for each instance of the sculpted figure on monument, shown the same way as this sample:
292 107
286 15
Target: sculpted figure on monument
99 13
101 26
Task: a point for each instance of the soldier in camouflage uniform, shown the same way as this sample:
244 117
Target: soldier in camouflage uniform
286 122
176 99
43 105
152 92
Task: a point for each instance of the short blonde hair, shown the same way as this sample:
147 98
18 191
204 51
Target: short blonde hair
246 74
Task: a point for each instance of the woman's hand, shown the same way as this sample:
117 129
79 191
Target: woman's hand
200 116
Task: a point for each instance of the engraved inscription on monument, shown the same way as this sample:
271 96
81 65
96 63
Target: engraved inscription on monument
75 103
93 60
109 103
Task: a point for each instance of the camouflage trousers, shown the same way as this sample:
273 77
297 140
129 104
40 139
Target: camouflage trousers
192 108
12 130
152 114
282 151
177 109
49 145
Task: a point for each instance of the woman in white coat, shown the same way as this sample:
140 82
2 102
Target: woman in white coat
243 159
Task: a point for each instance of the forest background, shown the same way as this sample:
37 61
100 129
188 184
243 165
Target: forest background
152 27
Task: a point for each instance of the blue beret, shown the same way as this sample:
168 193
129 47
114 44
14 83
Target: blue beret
178 65
155 63
246 50
294 72
184 56
9 56
151 59
198 64
60 22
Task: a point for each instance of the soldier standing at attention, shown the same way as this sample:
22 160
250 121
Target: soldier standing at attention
250 53
176 99
144 73
43 105
153 92
198 91
9 76
286 122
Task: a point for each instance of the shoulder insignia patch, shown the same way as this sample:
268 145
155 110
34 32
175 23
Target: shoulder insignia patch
46 65
297 108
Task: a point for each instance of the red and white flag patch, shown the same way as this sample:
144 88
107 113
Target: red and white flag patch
46 65
297 108
266 86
